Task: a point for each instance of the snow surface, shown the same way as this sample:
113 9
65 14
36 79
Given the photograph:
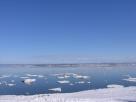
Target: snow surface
113 94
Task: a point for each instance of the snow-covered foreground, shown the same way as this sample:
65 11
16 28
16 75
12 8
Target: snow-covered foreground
114 93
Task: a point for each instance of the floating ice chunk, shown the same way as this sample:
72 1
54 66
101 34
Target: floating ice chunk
10 84
7 84
89 82
63 77
66 76
80 82
24 77
71 74
60 77
40 76
80 77
56 74
34 75
4 76
63 82
55 89
29 81
115 86
31 75
130 79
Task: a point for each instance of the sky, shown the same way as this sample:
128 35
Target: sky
67 31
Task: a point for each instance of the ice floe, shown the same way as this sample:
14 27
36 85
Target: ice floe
29 81
34 75
89 82
40 76
55 89
5 83
80 82
11 84
24 77
63 82
80 77
31 75
4 76
130 79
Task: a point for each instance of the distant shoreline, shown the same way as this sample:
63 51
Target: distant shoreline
77 64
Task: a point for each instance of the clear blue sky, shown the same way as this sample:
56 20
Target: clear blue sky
65 31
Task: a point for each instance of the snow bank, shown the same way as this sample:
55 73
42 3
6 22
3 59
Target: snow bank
114 94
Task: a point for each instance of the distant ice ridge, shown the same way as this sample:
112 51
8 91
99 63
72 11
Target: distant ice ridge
116 93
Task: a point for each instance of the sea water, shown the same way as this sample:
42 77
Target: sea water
12 77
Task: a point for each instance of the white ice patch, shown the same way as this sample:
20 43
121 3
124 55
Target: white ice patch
80 82
24 77
4 76
5 83
55 89
63 82
31 75
130 79
29 81
11 84
40 76
80 77
89 82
